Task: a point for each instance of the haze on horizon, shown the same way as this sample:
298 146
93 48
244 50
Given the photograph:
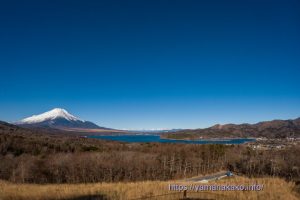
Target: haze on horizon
151 64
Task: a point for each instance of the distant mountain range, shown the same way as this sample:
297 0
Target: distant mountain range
268 129
57 118
60 119
154 131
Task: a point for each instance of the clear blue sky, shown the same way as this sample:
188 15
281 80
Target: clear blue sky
151 64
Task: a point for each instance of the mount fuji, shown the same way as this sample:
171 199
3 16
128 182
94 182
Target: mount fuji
57 118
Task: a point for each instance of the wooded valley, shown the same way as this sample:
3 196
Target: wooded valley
34 157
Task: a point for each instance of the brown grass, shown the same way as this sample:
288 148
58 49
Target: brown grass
274 188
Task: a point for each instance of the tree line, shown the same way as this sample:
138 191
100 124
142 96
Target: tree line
44 158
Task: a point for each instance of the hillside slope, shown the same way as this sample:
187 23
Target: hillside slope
269 129
273 189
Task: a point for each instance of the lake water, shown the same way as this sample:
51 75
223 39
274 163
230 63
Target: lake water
156 138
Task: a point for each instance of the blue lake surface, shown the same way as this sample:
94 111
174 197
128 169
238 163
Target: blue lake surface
156 138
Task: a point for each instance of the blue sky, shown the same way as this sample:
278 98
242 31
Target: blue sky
151 64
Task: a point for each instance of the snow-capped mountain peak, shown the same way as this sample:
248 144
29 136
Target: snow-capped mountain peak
57 118
50 115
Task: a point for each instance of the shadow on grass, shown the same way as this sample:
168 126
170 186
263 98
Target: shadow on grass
89 197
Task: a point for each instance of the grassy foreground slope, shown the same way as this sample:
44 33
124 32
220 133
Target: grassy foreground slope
274 188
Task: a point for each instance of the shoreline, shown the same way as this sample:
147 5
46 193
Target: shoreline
170 140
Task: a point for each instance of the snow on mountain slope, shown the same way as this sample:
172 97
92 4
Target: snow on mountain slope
57 118
50 115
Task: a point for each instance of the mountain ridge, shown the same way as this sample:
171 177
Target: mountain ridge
57 118
269 129
50 115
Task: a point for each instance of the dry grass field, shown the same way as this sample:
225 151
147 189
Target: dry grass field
274 188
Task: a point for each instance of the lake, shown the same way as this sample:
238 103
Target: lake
156 138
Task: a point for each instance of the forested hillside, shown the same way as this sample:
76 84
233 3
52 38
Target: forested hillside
52 158
268 129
